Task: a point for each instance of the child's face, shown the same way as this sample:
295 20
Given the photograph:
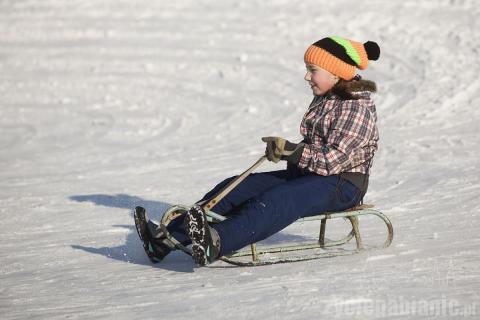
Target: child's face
320 80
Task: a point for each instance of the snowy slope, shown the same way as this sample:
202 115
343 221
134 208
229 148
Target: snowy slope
109 104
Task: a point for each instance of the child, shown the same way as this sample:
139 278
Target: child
327 171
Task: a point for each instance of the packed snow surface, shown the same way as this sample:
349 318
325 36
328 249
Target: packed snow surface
109 104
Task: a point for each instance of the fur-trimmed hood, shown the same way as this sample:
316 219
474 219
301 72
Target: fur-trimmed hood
347 89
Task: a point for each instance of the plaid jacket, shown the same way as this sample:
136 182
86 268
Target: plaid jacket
339 135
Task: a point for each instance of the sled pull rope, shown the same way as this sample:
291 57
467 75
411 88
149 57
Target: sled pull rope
219 196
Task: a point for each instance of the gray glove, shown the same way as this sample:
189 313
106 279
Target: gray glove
281 149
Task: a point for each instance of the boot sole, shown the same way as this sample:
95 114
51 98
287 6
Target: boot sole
196 230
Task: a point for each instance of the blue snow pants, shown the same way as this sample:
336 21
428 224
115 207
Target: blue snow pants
266 202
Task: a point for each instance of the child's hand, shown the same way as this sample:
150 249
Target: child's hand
281 149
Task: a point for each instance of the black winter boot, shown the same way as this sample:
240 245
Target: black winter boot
153 244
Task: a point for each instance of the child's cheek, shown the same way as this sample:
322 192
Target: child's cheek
319 83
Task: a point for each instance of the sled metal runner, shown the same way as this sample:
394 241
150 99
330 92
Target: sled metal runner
260 256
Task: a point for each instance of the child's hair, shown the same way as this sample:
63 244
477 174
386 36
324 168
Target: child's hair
345 88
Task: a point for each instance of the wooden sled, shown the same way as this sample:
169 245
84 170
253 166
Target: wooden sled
259 255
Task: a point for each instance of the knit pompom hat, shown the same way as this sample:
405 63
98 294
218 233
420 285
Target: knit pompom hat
341 56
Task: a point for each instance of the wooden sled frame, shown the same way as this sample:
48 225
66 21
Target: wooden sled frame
351 214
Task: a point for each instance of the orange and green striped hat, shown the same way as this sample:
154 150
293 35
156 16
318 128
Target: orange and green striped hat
341 56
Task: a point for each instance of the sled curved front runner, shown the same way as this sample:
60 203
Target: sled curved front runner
351 214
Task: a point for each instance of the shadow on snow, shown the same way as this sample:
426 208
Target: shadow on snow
132 251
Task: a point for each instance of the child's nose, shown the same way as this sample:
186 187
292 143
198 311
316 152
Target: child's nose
308 76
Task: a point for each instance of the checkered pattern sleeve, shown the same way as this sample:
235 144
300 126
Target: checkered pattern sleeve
346 146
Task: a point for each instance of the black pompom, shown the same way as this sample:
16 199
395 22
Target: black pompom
373 50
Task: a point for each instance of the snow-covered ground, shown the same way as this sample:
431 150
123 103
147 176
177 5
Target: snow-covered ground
109 104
